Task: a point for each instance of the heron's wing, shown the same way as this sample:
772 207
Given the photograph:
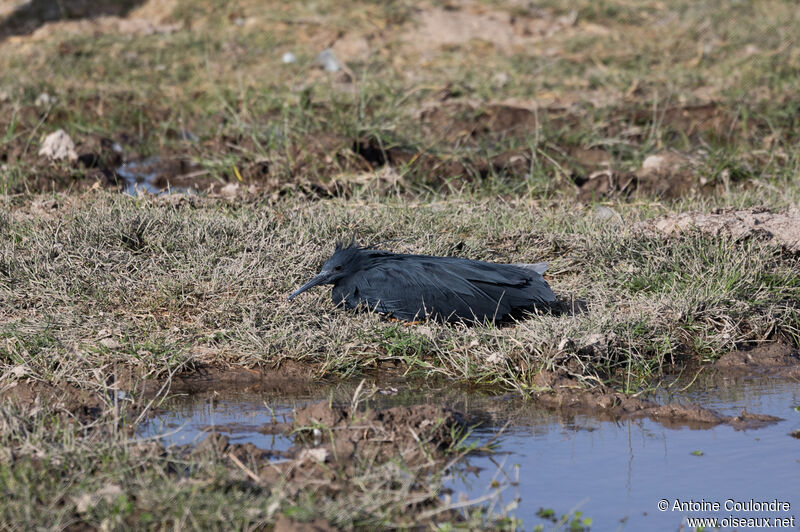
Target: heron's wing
412 287
511 285
407 291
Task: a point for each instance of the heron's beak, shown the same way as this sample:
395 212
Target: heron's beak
320 278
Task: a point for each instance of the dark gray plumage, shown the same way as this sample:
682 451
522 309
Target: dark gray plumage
411 287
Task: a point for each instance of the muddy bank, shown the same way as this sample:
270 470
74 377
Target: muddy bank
563 393
76 403
290 378
774 360
123 391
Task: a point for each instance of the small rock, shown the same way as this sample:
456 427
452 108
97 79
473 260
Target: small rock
57 146
20 371
495 358
44 206
4 96
320 454
123 396
86 501
501 79
602 212
669 175
230 190
44 100
663 162
327 60
109 492
83 502
594 339
110 343
288 58
597 344
564 344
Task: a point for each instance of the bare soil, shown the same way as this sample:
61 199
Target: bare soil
782 228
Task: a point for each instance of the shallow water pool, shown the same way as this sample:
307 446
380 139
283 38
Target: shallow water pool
618 474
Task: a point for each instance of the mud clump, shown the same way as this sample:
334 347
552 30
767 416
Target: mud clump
779 360
782 228
563 393
474 121
409 432
339 436
336 445
77 403
668 175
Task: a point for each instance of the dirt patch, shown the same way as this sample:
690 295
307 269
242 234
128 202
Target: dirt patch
290 379
80 404
775 359
436 28
782 228
666 174
604 183
95 162
706 118
463 139
101 25
437 168
464 120
563 393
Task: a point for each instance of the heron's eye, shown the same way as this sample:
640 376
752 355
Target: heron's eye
337 268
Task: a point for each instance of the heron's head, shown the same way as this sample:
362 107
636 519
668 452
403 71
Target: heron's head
343 262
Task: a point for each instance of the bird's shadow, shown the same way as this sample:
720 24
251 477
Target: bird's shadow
569 306
562 306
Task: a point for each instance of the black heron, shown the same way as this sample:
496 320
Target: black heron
412 287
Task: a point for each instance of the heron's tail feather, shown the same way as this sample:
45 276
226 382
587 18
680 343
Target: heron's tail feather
539 267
